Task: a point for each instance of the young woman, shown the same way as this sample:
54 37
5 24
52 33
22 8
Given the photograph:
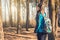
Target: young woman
40 22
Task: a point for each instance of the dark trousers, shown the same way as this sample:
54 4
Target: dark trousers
41 36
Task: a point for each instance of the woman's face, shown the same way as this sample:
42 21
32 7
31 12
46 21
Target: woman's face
43 6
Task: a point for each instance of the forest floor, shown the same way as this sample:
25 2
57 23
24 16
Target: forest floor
10 33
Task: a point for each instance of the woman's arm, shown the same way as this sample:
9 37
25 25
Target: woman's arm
39 23
37 18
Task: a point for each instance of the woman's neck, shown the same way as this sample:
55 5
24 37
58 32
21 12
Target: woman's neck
42 11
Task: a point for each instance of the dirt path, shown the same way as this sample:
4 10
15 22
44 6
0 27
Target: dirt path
10 34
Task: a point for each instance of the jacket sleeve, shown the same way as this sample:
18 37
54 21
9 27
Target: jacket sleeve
39 23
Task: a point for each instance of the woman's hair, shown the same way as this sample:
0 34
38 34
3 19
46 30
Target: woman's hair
40 5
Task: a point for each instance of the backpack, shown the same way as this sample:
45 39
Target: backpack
48 27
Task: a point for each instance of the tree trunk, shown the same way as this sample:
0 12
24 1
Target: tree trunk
1 27
10 14
18 17
27 20
53 15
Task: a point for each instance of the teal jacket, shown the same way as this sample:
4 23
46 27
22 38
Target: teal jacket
40 22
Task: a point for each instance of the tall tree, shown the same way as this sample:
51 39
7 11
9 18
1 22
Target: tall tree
18 17
1 26
10 13
53 15
27 20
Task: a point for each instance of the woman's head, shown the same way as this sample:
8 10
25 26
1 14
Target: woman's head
41 6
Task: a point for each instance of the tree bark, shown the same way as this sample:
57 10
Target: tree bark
53 15
1 26
18 17
27 20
